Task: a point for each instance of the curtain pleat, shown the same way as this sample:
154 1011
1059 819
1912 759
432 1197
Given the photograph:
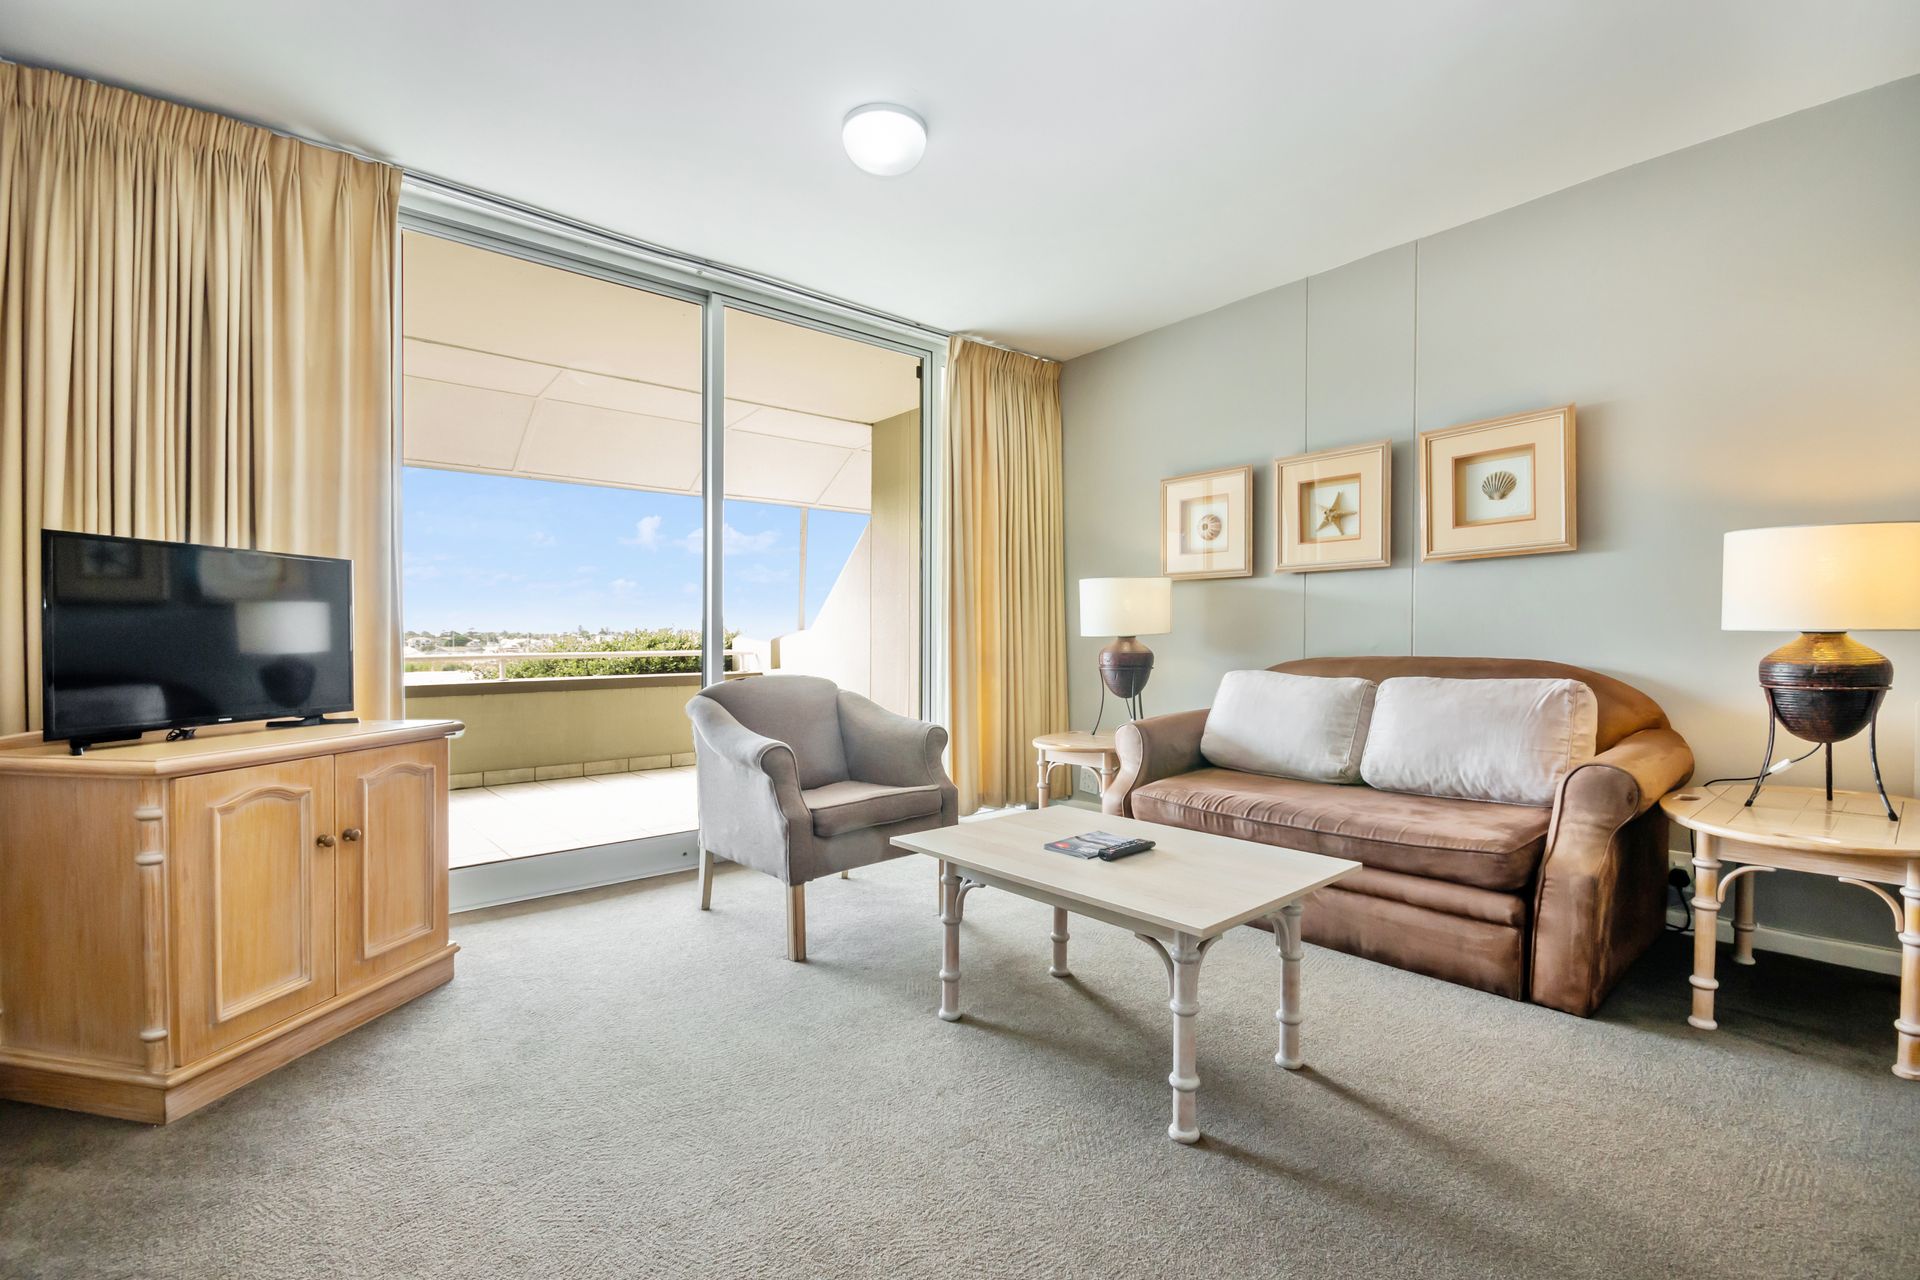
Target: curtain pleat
195 343
1004 552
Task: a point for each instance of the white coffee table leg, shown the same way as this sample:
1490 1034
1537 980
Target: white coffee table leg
1286 937
1060 935
1184 1001
950 954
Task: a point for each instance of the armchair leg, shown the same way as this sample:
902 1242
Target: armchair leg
797 923
706 879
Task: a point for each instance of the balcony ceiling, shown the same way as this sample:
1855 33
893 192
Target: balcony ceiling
516 368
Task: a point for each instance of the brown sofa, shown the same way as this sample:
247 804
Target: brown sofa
1549 905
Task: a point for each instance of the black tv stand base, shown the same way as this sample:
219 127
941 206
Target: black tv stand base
78 746
307 721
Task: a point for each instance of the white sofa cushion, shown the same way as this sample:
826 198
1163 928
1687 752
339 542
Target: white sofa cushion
1306 727
1508 741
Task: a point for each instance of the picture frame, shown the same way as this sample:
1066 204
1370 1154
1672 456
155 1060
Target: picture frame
1502 487
1335 509
1206 524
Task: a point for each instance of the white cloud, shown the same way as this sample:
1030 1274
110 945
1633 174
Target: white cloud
758 574
733 542
623 584
541 538
417 569
646 533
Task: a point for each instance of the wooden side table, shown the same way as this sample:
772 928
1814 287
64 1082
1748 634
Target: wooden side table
1092 750
1849 838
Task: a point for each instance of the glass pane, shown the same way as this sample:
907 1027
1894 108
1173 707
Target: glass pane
822 464
552 552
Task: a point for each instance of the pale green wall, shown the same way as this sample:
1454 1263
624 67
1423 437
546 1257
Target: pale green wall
1739 324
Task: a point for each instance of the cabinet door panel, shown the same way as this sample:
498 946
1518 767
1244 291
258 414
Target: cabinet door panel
253 900
393 869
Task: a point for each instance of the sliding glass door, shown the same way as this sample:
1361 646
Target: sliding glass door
553 548
614 489
822 518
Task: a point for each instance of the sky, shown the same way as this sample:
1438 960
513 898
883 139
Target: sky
504 553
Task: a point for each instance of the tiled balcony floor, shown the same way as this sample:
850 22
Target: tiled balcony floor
492 824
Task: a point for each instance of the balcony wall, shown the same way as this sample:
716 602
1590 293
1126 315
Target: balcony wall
563 727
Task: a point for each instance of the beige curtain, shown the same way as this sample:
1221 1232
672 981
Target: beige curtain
1004 549
195 343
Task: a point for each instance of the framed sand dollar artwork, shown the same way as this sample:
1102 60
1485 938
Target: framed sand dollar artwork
1335 509
1504 487
1206 524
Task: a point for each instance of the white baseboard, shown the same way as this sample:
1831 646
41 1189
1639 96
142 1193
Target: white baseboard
1808 946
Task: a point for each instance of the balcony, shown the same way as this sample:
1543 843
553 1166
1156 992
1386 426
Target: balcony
567 762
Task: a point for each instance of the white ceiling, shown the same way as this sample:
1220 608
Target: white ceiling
515 368
1096 168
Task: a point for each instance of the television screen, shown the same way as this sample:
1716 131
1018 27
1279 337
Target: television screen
143 635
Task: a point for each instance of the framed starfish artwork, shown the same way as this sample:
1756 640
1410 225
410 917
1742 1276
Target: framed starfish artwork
1336 509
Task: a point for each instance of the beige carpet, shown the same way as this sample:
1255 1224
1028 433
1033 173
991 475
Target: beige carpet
617 1085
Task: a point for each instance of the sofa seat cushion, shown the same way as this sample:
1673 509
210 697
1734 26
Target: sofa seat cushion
840 807
1469 842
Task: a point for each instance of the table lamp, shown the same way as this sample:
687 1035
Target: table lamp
1125 608
1823 580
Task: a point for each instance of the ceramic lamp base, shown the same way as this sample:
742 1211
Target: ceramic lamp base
1125 666
1825 687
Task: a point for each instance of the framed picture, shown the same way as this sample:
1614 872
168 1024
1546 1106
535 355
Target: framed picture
122 572
1504 487
1206 524
1335 509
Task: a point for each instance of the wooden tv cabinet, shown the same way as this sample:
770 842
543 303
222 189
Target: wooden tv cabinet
179 918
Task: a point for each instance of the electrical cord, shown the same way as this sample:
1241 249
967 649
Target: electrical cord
1771 769
1679 879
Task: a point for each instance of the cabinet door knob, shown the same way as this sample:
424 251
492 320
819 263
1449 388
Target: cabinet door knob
324 841
351 833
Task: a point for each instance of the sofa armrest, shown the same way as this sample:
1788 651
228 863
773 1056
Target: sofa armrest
1599 900
1152 749
751 810
892 750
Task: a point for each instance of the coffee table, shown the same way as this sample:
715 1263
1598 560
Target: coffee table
1179 899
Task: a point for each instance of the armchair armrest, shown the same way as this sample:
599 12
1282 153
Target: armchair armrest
1152 749
1600 897
751 810
892 750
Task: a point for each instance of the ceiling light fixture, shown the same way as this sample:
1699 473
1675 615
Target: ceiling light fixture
884 139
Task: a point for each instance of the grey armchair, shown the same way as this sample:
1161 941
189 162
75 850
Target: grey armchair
799 778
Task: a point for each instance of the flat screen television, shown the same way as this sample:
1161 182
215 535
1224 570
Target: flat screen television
139 635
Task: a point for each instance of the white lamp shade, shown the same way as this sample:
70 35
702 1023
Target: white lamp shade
1822 577
284 626
1126 606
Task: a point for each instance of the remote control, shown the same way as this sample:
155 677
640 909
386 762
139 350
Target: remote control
1126 849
